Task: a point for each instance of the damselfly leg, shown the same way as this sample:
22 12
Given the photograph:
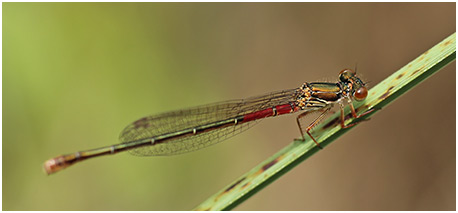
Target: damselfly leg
354 115
322 115
311 125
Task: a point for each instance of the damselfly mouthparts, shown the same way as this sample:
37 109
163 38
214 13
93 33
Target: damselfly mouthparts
192 129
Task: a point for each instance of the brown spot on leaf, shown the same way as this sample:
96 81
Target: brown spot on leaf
268 165
399 76
332 123
415 72
245 185
387 93
447 43
235 184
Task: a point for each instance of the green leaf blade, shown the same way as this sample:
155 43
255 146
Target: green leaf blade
379 97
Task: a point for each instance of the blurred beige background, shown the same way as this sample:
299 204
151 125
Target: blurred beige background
74 74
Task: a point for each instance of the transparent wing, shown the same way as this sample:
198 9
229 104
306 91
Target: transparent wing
156 125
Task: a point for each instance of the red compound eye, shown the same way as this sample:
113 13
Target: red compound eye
360 94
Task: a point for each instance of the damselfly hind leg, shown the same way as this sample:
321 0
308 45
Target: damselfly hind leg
310 126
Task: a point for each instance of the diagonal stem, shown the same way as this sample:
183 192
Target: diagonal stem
379 97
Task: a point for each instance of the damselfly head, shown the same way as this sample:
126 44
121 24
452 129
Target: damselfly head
346 74
357 87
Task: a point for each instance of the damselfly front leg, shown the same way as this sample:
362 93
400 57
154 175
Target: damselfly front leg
354 115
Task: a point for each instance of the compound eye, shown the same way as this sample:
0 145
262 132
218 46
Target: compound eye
360 94
346 74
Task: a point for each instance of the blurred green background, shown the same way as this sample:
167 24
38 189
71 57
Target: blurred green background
74 74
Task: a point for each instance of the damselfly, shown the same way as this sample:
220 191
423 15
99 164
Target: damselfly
192 129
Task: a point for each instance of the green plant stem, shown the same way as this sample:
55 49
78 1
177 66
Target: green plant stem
379 96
